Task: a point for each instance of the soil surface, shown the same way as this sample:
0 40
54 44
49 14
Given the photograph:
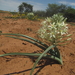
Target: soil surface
21 65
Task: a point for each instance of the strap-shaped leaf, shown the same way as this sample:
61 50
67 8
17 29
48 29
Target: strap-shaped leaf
26 54
26 37
34 54
41 57
57 52
28 41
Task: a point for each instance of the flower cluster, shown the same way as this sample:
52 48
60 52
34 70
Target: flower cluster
54 29
30 14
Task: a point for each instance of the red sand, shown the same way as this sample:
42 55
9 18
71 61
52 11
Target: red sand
21 65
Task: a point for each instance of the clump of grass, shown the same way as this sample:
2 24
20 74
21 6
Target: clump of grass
53 31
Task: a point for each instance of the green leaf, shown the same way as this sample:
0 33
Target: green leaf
59 60
34 54
26 54
40 58
28 41
26 37
57 52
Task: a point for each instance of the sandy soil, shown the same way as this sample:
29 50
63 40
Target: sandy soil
21 65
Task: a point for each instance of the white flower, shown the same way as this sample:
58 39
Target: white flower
53 36
30 14
53 28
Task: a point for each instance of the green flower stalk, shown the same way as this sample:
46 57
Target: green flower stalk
54 29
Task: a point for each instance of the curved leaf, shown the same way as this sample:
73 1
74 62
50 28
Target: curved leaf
26 37
34 54
28 41
40 58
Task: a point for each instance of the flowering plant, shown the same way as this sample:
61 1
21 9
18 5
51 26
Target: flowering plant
54 29
30 14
